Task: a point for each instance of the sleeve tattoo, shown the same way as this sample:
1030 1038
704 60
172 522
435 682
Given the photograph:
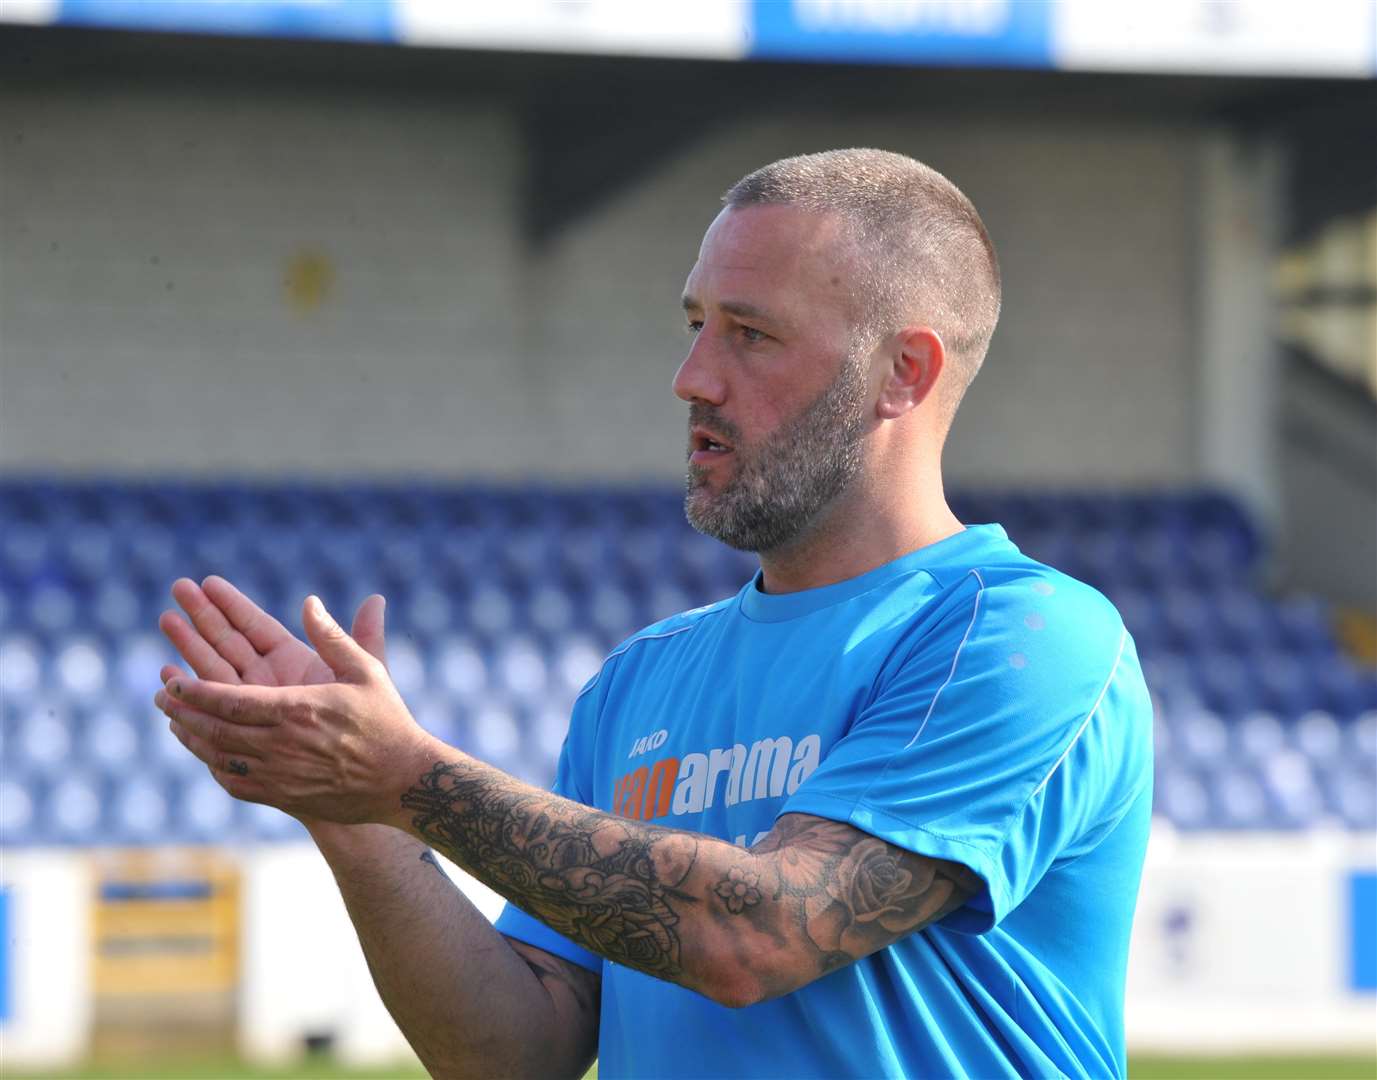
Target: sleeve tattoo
634 893
589 876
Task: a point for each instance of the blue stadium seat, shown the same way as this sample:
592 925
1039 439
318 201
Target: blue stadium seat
549 609
495 733
43 742
204 812
406 666
89 552
73 809
548 726
458 668
610 610
577 659
1318 736
438 713
24 550
1351 792
1182 797
1295 794
117 608
1362 736
52 607
80 668
1201 737
520 669
141 811
429 610
138 659
16 811
1257 737
1240 800
22 673
490 611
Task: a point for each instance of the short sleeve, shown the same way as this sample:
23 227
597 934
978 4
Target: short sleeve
1009 735
573 779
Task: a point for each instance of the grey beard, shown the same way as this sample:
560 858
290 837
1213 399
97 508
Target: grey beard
784 483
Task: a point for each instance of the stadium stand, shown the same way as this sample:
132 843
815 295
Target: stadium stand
502 603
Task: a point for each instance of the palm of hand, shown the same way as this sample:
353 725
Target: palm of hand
226 637
290 662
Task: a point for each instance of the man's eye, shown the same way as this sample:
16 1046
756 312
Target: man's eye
693 327
753 335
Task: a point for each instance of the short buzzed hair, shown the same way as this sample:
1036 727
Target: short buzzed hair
923 251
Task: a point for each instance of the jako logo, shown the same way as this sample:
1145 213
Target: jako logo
648 742
768 769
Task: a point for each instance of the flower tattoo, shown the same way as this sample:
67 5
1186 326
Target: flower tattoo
738 890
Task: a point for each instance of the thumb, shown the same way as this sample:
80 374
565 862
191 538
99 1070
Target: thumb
346 657
368 626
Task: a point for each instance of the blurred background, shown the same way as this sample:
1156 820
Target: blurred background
339 296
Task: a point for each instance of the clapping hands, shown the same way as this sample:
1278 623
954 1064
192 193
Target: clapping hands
320 733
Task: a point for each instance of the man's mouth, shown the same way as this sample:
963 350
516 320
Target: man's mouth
706 446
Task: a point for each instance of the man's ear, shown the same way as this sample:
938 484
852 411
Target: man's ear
916 363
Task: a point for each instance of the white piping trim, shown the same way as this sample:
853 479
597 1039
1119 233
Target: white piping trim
618 652
975 610
1123 640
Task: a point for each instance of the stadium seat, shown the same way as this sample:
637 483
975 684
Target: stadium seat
108 741
80 668
16 811
72 810
21 672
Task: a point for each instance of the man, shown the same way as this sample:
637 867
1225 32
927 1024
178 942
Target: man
881 813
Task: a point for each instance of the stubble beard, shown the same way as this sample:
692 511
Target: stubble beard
781 486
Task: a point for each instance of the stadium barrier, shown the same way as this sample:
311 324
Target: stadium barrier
1244 942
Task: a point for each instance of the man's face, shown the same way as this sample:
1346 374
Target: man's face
778 391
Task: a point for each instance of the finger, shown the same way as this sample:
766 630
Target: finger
245 787
346 657
219 735
261 629
170 671
368 626
257 706
195 650
239 775
210 621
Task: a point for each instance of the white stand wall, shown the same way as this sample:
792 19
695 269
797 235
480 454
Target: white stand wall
1242 943
48 954
303 969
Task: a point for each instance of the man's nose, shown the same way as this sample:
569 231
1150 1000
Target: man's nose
697 379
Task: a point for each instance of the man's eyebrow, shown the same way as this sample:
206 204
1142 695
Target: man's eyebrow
731 307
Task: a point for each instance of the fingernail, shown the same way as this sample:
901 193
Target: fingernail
177 687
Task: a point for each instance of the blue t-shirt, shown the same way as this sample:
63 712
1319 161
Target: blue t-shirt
962 702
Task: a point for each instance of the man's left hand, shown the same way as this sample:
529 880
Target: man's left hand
342 751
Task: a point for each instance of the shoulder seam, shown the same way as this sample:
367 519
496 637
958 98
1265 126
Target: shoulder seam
1113 671
975 612
621 649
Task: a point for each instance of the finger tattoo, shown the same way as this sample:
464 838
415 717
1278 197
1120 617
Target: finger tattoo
239 768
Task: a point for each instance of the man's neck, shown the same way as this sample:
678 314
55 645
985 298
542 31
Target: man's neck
852 539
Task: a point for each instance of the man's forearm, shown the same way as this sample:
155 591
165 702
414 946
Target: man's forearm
464 999
736 925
